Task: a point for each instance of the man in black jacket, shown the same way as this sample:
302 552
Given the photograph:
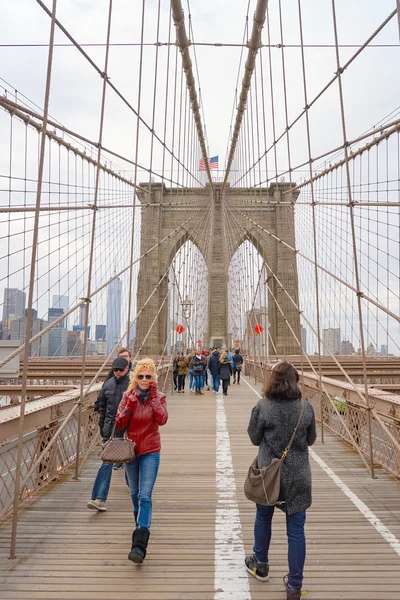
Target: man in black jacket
122 353
108 401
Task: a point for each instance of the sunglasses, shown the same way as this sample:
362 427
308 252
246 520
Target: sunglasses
118 370
144 377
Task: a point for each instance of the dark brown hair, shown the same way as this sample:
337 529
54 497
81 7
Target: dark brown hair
121 350
282 382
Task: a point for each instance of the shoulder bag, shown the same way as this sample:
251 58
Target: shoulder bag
263 486
118 450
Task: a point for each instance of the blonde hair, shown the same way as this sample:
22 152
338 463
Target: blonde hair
145 363
223 357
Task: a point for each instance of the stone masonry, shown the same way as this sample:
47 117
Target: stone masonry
166 209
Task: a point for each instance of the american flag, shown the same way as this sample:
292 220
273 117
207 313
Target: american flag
212 163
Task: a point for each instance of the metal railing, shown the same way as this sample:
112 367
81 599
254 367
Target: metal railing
339 409
49 445
47 451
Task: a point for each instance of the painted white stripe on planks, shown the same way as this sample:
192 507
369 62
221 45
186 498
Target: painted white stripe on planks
230 576
363 508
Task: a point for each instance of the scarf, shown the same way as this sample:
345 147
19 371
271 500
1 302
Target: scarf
143 395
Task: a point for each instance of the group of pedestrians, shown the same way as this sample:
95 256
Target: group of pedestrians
130 401
207 369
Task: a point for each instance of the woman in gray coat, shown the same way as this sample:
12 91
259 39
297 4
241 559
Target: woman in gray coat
272 423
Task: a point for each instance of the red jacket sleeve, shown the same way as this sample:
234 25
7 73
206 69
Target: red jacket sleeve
124 412
160 410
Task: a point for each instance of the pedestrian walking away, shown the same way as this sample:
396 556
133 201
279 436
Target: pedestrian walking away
191 372
182 364
225 372
142 411
238 364
272 423
198 368
108 401
214 367
175 371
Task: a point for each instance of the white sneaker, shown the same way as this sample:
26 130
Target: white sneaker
191 390
98 504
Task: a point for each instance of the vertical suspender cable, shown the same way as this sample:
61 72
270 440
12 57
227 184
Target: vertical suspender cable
183 44
353 235
135 178
31 285
93 240
254 45
316 278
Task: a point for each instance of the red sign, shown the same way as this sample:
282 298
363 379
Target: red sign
199 342
237 342
180 329
258 329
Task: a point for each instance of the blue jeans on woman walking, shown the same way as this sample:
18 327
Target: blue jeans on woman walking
296 539
141 474
102 482
198 381
216 380
191 379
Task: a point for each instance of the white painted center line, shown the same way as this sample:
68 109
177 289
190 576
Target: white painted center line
363 508
230 576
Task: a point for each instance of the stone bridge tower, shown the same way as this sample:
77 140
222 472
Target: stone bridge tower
164 210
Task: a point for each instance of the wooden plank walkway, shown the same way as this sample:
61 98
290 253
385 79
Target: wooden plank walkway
66 551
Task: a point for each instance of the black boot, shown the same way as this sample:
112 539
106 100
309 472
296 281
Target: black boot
140 539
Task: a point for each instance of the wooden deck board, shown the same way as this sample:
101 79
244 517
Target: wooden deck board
66 551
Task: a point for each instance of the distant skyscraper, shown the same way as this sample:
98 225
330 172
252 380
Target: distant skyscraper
384 350
55 313
61 302
303 338
82 313
331 341
101 333
39 347
58 336
114 298
14 304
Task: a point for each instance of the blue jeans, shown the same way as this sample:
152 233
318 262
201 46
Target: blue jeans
141 474
102 482
198 381
216 381
191 379
296 538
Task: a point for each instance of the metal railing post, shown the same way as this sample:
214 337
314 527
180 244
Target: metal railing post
31 285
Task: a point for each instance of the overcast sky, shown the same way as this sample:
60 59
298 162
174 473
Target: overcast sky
371 84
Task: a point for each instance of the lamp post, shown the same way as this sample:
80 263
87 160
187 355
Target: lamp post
186 314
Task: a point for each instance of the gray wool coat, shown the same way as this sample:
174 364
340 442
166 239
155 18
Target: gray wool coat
272 423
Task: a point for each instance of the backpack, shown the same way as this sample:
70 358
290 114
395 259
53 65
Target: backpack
198 365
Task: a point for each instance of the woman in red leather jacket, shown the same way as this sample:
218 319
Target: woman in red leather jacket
142 410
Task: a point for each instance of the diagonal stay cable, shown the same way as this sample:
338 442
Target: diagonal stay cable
298 253
102 286
324 89
113 87
183 43
254 45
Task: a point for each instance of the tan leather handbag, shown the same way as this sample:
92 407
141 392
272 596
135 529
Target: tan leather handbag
263 486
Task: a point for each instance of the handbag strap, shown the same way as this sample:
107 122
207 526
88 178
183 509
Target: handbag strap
125 435
286 450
